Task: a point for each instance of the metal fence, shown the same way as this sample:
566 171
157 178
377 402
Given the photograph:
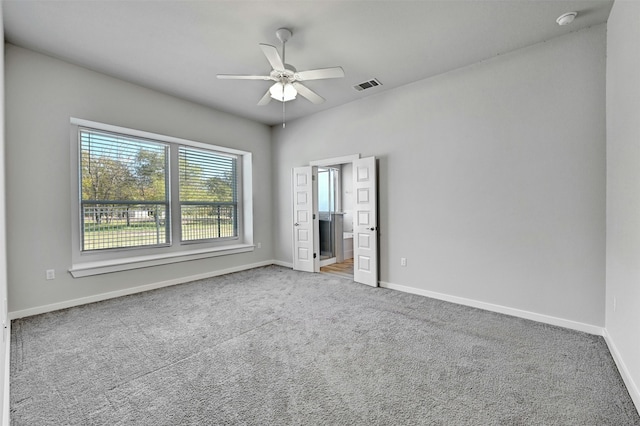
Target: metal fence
122 224
208 221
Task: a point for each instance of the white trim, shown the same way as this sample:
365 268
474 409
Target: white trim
283 264
6 408
329 261
102 262
86 269
149 135
335 161
546 319
125 292
632 387
246 181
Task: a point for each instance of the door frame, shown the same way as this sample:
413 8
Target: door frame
346 159
349 159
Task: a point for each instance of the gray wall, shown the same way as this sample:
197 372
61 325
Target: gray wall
623 189
492 177
41 94
6 340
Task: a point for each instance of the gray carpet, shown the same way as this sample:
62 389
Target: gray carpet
271 346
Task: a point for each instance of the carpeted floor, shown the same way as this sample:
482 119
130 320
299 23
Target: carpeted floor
271 346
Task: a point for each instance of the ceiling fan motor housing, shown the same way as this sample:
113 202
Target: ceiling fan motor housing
284 34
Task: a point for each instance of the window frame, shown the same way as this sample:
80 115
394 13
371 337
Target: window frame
166 201
86 263
239 189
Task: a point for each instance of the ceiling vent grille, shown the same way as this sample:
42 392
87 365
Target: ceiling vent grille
367 84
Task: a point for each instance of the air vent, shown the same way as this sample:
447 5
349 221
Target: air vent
367 85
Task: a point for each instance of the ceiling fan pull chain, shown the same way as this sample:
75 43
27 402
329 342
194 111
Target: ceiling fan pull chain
283 103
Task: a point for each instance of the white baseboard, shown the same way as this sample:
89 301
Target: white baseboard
326 262
6 408
125 292
284 264
632 387
561 322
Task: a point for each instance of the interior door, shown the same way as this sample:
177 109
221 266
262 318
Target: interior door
306 243
365 227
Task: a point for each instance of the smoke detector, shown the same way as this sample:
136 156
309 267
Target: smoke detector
567 18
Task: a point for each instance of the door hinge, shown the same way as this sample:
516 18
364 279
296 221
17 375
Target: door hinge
314 216
315 255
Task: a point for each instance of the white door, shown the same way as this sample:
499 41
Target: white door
365 218
305 223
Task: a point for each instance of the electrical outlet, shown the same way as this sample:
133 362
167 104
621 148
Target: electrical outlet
403 261
51 274
259 245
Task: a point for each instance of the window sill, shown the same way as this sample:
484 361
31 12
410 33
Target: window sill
107 266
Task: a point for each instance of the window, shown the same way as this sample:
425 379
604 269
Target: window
145 199
328 190
124 200
208 194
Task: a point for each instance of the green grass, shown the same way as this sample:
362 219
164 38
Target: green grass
117 234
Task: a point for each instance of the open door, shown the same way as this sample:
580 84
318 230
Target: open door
365 218
306 244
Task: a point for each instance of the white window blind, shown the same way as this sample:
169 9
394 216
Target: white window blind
208 194
124 191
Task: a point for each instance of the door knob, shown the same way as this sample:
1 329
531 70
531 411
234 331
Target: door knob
296 224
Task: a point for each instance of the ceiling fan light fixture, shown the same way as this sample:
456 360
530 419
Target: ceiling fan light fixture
283 92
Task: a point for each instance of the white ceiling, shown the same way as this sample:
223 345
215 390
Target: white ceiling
178 47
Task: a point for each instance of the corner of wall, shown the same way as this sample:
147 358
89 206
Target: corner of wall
6 331
631 385
622 299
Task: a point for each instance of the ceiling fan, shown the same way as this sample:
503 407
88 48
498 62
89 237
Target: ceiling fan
287 79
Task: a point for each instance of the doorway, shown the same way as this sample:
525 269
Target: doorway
343 269
329 214
335 211
346 212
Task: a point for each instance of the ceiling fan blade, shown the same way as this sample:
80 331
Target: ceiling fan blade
272 56
308 93
242 77
321 73
265 99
